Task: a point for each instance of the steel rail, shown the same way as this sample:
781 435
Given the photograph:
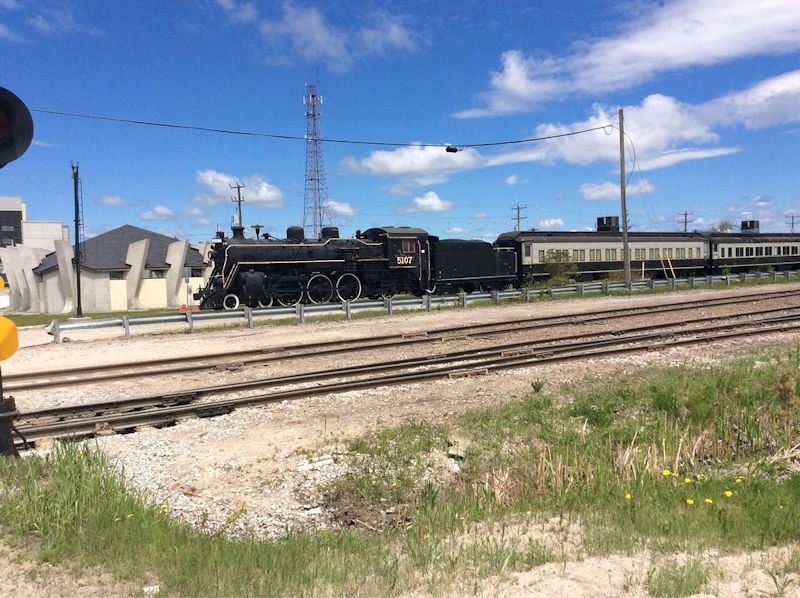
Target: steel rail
100 373
486 362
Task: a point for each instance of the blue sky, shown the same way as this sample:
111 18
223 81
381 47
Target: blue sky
710 91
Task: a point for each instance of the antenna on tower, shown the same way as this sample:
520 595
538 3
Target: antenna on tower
316 212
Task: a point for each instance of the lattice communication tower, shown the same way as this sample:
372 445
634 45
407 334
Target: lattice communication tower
316 212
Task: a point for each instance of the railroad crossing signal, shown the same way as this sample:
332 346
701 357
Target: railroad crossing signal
9 339
16 127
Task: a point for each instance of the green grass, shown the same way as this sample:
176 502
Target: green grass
674 460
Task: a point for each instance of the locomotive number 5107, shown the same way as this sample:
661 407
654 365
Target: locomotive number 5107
404 260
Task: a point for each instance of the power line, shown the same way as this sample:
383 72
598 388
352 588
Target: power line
684 216
448 146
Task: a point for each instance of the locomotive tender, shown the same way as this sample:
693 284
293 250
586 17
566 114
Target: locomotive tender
382 262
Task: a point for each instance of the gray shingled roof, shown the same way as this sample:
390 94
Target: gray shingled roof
108 251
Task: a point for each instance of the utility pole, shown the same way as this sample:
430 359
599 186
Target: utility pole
518 218
686 220
790 220
76 182
625 254
238 199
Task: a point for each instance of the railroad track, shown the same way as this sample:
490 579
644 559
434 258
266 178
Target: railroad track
165 409
159 367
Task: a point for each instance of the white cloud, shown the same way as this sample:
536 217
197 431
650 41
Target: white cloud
551 223
239 12
7 34
512 180
111 200
61 19
430 202
341 209
158 213
457 230
661 132
305 33
221 187
608 190
481 216
667 36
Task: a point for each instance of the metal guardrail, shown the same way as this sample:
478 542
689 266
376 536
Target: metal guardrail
426 302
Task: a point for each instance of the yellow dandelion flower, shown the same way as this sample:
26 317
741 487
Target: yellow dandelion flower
687 480
689 501
426 536
665 472
351 431
379 447
728 493
674 474
394 484
129 516
709 501
164 506
780 506
628 496
738 480
45 443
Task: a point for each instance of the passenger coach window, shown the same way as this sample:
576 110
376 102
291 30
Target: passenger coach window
583 255
527 249
541 255
575 255
409 246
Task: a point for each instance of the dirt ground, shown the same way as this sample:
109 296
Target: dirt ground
272 459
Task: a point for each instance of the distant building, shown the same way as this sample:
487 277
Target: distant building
127 268
16 229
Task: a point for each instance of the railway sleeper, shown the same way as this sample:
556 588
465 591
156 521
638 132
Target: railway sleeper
468 373
214 410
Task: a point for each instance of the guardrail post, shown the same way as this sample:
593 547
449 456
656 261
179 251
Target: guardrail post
728 279
248 315
671 284
651 283
691 282
127 326
788 274
426 302
7 410
387 304
300 310
774 276
581 290
346 306
743 277
709 281
56 331
189 320
495 297
604 288
527 295
462 298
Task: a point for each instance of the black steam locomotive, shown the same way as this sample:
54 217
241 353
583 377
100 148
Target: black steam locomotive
379 262
382 262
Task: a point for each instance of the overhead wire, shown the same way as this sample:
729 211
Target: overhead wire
447 146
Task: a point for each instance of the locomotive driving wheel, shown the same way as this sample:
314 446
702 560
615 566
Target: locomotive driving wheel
289 296
319 288
348 287
265 301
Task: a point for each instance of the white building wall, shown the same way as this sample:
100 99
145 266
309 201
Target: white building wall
43 234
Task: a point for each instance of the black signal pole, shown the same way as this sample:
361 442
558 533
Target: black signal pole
76 181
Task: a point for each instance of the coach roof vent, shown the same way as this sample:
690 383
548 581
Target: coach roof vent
608 224
749 226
